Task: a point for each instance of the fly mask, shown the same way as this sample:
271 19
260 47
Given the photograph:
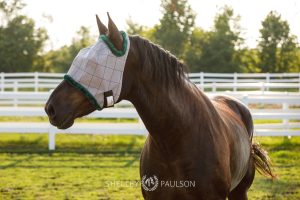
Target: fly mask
97 71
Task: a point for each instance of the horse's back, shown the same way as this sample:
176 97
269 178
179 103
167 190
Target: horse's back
239 109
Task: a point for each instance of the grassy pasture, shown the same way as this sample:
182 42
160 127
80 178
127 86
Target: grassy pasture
98 167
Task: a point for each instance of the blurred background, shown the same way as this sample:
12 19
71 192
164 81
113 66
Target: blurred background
214 36
246 49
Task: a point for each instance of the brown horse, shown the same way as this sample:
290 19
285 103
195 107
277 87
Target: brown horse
192 139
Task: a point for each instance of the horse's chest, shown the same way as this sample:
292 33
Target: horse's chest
152 162
185 165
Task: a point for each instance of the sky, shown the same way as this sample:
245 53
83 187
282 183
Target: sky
67 16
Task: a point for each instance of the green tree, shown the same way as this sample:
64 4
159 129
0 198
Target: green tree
61 59
296 67
82 39
193 52
134 28
219 49
249 60
10 9
175 26
277 47
57 60
20 42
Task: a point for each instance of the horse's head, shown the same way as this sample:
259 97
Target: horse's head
95 79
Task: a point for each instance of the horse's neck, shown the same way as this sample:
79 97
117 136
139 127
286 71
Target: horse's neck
170 113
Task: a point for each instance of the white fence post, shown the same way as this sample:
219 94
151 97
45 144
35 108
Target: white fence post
15 86
267 80
15 90
202 80
214 87
285 107
262 87
51 138
36 81
234 81
245 99
299 82
2 81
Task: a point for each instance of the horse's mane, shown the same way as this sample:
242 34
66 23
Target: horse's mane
163 67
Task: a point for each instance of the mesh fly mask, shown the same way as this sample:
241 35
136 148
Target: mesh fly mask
97 71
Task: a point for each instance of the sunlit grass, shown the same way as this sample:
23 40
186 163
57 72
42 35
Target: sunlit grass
80 168
285 156
83 165
266 121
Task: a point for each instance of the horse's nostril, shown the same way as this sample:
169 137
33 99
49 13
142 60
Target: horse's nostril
50 110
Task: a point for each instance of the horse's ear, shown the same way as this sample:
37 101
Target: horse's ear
114 34
101 27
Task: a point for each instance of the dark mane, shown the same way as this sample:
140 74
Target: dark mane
163 67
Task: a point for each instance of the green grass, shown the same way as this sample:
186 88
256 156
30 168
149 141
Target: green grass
83 166
79 169
266 121
285 156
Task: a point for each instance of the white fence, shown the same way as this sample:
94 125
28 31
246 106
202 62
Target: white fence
246 81
33 99
30 81
209 81
283 107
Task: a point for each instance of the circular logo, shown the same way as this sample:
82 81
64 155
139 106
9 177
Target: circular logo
150 183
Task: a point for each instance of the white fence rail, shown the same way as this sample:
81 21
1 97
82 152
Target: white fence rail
38 81
30 81
285 108
246 81
39 98
24 94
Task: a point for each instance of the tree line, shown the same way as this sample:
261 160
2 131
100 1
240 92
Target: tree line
221 49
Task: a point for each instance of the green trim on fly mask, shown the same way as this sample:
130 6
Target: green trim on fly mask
112 47
78 86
